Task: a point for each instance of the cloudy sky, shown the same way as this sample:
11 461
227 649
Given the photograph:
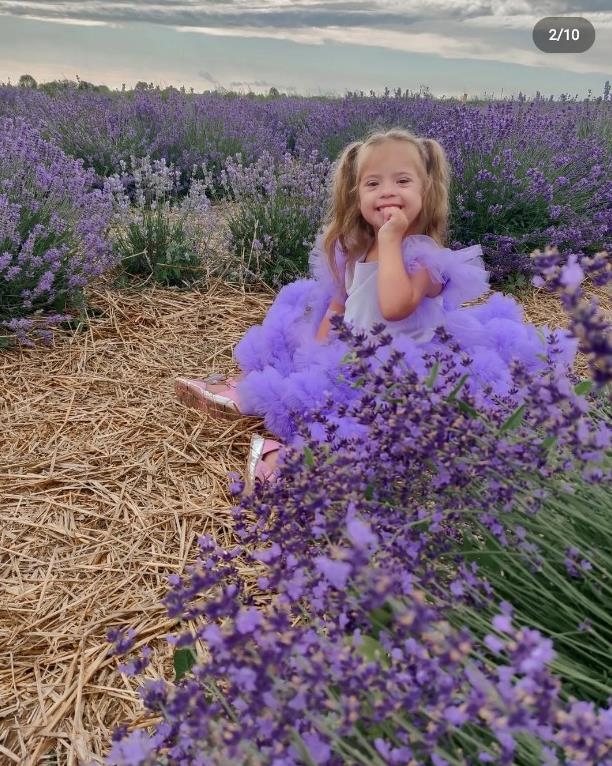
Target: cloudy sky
308 47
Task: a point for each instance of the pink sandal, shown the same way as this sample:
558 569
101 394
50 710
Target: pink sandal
256 469
193 392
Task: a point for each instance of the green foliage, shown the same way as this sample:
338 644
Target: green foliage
155 245
27 81
270 235
515 284
557 577
183 661
160 235
278 211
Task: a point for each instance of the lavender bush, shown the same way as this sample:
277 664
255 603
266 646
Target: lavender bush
160 234
522 179
52 231
281 206
586 320
370 651
99 128
184 129
208 129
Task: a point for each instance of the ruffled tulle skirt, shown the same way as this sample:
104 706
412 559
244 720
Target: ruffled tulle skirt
287 372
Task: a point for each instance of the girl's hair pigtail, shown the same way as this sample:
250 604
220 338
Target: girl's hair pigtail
342 215
435 202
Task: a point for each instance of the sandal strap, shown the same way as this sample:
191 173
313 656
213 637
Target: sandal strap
257 470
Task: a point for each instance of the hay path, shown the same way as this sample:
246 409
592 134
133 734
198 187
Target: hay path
106 481
105 484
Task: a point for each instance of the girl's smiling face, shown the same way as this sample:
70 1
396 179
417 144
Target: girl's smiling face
391 174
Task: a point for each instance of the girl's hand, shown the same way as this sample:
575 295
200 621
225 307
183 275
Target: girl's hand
395 225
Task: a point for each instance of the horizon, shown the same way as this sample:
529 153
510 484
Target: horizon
81 84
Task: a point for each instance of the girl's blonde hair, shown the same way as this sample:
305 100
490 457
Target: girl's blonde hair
344 222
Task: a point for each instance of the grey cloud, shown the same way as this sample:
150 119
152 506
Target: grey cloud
208 78
552 7
375 14
574 7
196 13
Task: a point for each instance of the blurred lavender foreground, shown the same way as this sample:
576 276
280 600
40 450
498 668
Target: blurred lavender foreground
440 585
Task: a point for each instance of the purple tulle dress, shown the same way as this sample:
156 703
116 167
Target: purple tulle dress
287 371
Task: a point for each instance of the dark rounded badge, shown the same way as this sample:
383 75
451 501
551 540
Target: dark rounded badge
564 34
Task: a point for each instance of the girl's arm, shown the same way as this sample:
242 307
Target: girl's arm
399 293
335 307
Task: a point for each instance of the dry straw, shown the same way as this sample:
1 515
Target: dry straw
105 484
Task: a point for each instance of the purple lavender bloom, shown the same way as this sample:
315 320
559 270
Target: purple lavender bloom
135 749
502 623
360 533
336 572
318 749
53 225
122 640
572 275
248 620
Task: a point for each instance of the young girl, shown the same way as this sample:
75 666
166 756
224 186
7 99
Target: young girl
380 258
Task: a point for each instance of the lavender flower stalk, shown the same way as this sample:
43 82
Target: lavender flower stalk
586 321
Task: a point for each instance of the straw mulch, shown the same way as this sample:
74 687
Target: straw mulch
105 484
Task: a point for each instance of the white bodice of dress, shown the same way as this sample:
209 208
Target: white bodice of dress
363 309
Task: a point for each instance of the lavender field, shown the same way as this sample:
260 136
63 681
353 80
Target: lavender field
526 175
435 593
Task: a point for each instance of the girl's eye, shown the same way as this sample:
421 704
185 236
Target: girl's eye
402 181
